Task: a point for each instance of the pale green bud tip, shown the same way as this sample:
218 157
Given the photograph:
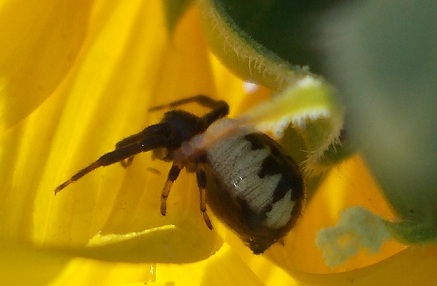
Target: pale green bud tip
357 228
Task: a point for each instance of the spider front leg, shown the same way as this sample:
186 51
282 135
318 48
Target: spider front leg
151 131
120 154
120 144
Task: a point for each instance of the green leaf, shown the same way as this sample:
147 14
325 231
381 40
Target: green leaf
287 28
383 57
241 53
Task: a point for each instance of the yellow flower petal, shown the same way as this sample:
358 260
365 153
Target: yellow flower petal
25 265
40 43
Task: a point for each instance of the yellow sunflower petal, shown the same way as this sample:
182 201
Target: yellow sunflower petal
40 43
40 267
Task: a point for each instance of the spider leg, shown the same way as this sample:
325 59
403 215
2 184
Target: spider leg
116 156
201 182
150 131
218 108
173 174
221 110
200 99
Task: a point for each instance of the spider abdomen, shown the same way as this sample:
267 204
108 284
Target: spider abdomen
253 187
